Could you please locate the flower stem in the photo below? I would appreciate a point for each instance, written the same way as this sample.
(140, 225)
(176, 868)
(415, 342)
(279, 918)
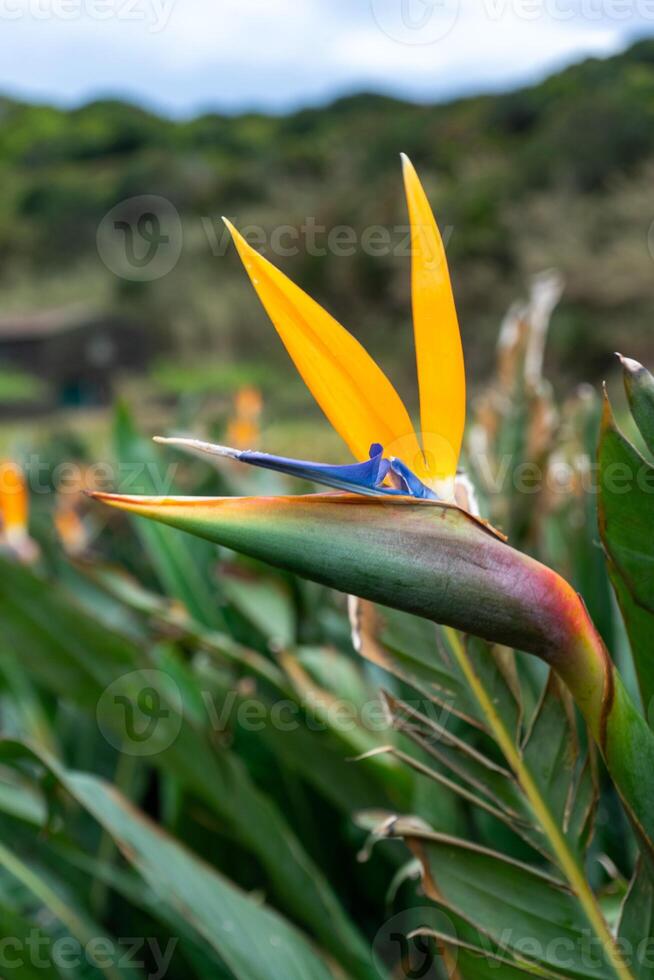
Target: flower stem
(566, 859)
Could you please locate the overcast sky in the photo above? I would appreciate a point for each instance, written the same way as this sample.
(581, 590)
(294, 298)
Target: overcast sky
(184, 56)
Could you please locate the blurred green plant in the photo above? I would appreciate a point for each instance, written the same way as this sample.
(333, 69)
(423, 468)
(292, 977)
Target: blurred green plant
(173, 378)
(507, 171)
(17, 387)
(439, 562)
(460, 717)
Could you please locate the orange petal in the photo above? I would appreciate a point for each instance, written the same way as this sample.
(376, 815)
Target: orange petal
(355, 395)
(14, 502)
(439, 355)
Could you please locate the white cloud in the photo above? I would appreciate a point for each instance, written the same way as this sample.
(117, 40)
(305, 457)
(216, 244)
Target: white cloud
(477, 51)
(275, 54)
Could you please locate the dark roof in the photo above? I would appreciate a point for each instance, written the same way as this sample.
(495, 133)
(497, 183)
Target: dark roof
(45, 323)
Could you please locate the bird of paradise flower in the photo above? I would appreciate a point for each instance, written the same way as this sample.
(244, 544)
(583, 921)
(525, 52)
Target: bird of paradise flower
(352, 390)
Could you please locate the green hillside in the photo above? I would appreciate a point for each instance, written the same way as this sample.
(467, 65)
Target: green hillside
(556, 174)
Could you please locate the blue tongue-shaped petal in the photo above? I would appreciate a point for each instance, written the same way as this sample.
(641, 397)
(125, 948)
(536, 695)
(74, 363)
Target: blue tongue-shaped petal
(409, 482)
(364, 478)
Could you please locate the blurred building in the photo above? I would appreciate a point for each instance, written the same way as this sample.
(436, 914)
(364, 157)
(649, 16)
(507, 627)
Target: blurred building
(75, 354)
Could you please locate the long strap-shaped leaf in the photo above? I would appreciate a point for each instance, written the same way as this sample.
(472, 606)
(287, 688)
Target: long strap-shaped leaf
(254, 941)
(76, 924)
(182, 566)
(54, 636)
(505, 899)
(626, 513)
(636, 929)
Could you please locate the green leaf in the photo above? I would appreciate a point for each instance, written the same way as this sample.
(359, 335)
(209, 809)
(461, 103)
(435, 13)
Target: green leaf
(183, 566)
(319, 756)
(495, 668)
(253, 940)
(25, 934)
(639, 625)
(552, 754)
(525, 912)
(639, 385)
(627, 510)
(626, 515)
(493, 788)
(470, 954)
(56, 638)
(263, 601)
(419, 653)
(480, 774)
(136, 894)
(54, 896)
(476, 963)
(636, 930)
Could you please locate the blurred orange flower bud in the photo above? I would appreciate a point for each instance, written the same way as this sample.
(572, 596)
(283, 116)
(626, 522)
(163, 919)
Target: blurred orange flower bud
(14, 513)
(243, 427)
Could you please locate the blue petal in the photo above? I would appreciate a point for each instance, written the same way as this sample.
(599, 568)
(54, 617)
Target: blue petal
(365, 478)
(410, 483)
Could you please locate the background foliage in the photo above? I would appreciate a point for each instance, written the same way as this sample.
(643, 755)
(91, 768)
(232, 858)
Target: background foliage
(554, 175)
(181, 728)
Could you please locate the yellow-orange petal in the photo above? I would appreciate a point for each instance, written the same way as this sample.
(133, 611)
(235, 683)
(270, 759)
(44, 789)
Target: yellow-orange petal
(353, 392)
(14, 503)
(439, 355)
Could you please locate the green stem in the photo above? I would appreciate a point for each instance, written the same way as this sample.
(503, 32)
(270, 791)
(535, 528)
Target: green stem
(565, 858)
